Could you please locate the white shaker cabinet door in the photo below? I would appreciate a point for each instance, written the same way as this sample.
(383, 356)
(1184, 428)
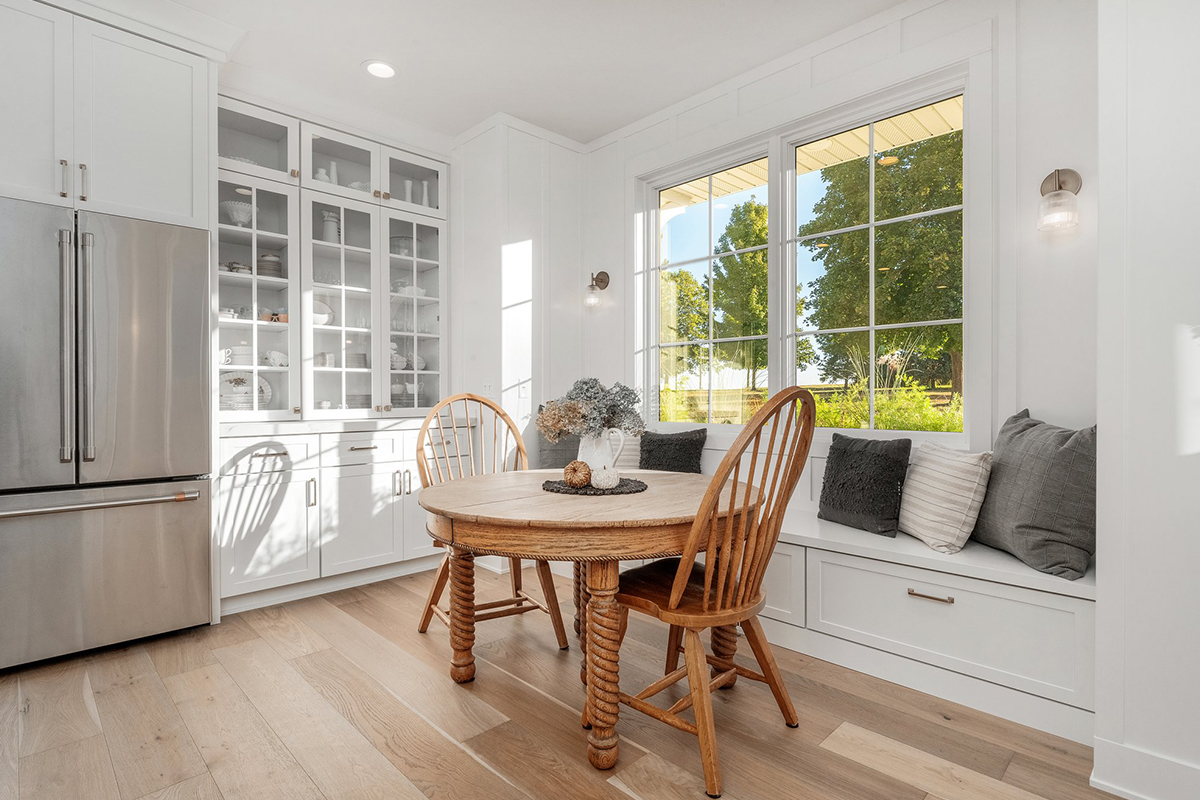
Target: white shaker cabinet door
(417, 541)
(36, 160)
(268, 529)
(358, 526)
(141, 127)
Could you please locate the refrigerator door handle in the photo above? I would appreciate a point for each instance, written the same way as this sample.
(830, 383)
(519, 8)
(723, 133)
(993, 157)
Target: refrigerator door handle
(87, 348)
(66, 425)
(178, 497)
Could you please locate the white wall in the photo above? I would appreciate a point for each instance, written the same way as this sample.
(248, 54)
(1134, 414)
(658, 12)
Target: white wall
(1148, 603)
(1042, 58)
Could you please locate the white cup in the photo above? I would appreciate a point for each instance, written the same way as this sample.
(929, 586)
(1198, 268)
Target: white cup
(227, 356)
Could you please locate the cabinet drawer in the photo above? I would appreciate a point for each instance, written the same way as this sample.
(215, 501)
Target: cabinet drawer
(1034, 641)
(352, 449)
(254, 455)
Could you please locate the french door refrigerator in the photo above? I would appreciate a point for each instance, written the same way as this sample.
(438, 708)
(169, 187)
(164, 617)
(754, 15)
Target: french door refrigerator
(104, 430)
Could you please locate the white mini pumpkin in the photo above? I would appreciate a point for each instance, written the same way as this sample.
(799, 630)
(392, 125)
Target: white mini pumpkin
(605, 477)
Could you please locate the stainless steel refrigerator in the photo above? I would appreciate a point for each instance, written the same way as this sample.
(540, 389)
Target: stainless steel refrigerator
(104, 430)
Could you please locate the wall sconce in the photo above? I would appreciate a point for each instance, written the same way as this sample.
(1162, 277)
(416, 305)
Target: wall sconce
(1057, 209)
(599, 283)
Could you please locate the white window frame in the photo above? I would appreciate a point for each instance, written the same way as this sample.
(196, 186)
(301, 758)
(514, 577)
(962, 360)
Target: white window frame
(972, 80)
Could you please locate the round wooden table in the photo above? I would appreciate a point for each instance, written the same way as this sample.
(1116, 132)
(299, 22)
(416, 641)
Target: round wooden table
(509, 514)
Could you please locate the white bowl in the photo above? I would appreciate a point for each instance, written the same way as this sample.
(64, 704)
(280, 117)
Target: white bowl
(322, 313)
(239, 213)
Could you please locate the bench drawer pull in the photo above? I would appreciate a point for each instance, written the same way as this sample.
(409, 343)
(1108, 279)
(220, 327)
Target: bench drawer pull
(947, 600)
(280, 454)
(372, 447)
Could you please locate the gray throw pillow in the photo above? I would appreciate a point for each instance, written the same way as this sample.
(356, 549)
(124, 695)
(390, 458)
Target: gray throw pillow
(1041, 499)
(863, 483)
(673, 452)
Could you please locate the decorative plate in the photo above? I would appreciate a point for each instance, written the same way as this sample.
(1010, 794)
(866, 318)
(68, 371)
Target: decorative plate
(322, 313)
(243, 160)
(626, 486)
(236, 394)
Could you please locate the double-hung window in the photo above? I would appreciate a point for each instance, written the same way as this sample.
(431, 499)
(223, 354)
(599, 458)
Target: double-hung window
(870, 259)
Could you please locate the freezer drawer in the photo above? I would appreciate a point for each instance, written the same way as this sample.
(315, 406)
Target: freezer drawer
(90, 567)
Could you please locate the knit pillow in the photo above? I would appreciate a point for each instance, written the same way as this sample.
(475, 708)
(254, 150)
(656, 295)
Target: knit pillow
(673, 452)
(942, 495)
(863, 480)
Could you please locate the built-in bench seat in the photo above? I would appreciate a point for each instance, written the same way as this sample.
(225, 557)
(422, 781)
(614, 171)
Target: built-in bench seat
(978, 627)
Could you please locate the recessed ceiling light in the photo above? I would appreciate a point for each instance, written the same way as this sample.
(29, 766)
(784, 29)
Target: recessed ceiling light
(887, 161)
(380, 69)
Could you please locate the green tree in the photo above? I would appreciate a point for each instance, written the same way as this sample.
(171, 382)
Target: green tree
(918, 263)
(683, 317)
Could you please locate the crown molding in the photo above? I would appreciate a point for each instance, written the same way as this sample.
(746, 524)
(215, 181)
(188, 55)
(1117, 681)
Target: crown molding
(163, 21)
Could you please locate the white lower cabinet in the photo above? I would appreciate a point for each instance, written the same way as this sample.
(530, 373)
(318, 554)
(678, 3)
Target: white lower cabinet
(362, 517)
(783, 585)
(269, 530)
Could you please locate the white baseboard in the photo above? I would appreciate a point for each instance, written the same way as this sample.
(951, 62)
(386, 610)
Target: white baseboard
(334, 583)
(1158, 777)
(1036, 712)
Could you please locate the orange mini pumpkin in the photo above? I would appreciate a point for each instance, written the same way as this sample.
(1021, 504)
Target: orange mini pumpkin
(577, 474)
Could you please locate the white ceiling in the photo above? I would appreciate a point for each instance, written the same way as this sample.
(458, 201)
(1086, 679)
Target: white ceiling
(581, 69)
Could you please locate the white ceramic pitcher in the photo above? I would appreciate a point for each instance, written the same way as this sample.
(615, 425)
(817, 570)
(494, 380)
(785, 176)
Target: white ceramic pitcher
(597, 451)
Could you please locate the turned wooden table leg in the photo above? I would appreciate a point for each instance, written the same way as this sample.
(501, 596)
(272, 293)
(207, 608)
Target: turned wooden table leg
(581, 612)
(604, 642)
(462, 615)
(724, 646)
(578, 587)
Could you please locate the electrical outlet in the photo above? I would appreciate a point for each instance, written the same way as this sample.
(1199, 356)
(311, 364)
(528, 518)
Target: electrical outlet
(487, 391)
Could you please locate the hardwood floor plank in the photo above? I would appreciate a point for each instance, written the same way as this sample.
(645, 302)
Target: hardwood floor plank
(229, 631)
(917, 768)
(245, 757)
(655, 778)
(148, 743)
(289, 636)
(451, 707)
(437, 766)
(56, 707)
(201, 787)
(339, 759)
(10, 736)
(523, 758)
(79, 770)
(403, 595)
(174, 653)
(1055, 751)
(343, 596)
(1036, 776)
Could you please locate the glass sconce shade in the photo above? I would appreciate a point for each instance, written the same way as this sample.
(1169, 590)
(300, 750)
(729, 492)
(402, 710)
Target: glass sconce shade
(1058, 210)
(593, 296)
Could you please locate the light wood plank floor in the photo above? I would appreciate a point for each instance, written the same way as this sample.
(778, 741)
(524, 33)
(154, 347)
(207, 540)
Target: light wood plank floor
(340, 697)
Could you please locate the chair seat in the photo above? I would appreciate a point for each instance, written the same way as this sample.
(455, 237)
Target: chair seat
(648, 589)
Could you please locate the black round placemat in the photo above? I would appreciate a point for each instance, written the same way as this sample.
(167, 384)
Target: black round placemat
(626, 486)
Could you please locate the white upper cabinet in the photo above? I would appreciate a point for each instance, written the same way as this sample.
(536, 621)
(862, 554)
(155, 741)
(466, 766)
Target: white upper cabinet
(412, 183)
(256, 141)
(338, 163)
(141, 127)
(36, 162)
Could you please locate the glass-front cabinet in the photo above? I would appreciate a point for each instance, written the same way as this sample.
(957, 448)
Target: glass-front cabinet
(258, 295)
(257, 141)
(412, 183)
(415, 288)
(342, 307)
(338, 163)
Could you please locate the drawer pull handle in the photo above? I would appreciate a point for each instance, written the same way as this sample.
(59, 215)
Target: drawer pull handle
(280, 454)
(372, 447)
(947, 600)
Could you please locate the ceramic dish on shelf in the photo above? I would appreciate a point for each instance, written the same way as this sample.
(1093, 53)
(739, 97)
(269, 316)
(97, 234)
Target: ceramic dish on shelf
(234, 267)
(322, 313)
(361, 186)
(237, 389)
(243, 160)
(414, 291)
(239, 213)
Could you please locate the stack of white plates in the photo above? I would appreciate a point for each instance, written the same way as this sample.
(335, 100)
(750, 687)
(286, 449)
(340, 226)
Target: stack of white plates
(358, 401)
(356, 361)
(325, 360)
(270, 266)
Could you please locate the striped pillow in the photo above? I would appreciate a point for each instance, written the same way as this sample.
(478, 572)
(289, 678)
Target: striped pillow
(942, 495)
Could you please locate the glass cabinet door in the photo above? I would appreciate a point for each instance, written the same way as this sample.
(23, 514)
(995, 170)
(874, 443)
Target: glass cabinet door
(413, 183)
(255, 141)
(258, 293)
(340, 164)
(415, 286)
(341, 305)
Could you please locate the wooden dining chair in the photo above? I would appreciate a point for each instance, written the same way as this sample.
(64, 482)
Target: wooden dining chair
(736, 528)
(454, 442)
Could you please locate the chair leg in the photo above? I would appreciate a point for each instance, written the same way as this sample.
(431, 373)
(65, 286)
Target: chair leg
(697, 667)
(435, 593)
(514, 575)
(674, 640)
(551, 598)
(766, 662)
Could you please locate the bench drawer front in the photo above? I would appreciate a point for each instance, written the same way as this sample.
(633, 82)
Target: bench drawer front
(253, 455)
(1034, 641)
(352, 449)
(783, 585)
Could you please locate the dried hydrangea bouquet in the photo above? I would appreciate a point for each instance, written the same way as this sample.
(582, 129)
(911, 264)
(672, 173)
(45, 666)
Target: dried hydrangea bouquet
(595, 414)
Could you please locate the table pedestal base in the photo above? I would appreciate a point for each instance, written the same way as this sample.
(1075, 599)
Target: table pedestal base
(603, 663)
(462, 615)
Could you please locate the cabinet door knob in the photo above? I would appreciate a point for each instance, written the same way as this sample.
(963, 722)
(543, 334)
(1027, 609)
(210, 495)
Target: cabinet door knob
(387, 195)
(387, 408)
(295, 173)
(295, 409)
(376, 193)
(379, 408)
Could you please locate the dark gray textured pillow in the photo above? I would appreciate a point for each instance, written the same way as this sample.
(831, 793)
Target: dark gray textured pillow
(863, 482)
(556, 455)
(673, 452)
(1041, 500)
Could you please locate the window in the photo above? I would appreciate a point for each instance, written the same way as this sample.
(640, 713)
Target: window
(878, 250)
(713, 296)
